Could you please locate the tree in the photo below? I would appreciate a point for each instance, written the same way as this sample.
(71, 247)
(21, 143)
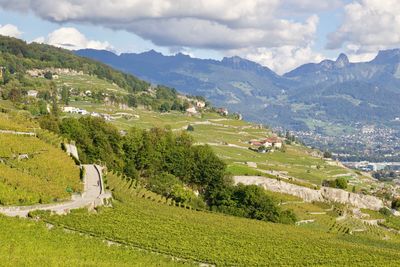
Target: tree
(132, 101)
(163, 184)
(209, 170)
(48, 75)
(65, 95)
(341, 183)
(396, 203)
(327, 155)
(50, 123)
(54, 103)
(165, 107)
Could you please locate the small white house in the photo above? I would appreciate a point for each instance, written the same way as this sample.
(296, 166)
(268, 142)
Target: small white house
(191, 110)
(32, 93)
(200, 104)
(70, 109)
(223, 111)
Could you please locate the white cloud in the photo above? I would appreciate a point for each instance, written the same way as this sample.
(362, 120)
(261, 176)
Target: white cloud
(71, 38)
(257, 29)
(307, 6)
(368, 25)
(10, 30)
(281, 59)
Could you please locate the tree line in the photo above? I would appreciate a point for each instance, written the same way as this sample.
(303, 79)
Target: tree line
(169, 164)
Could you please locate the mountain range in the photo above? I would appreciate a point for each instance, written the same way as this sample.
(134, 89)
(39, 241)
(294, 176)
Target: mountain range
(313, 96)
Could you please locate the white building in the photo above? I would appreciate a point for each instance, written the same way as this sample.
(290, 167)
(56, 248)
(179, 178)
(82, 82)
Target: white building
(32, 93)
(200, 104)
(191, 110)
(70, 109)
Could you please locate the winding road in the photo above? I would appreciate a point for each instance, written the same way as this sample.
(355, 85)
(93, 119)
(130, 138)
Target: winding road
(92, 196)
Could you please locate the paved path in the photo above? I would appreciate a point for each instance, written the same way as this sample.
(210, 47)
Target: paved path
(17, 133)
(72, 150)
(92, 196)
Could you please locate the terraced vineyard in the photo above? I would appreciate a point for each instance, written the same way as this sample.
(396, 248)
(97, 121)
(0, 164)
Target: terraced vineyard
(29, 243)
(34, 169)
(224, 240)
(229, 139)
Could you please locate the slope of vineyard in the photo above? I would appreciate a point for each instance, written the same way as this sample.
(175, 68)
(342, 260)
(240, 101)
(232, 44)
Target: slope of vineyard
(224, 240)
(32, 170)
(28, 243)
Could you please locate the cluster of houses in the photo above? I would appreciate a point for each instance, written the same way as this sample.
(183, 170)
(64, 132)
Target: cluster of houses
(75, 110)
(266, 144)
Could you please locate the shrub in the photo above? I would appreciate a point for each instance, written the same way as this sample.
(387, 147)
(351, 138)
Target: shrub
(396, 203)
(340, 183)
(385, 211)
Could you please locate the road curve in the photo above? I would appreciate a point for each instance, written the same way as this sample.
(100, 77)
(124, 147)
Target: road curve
(91, 196)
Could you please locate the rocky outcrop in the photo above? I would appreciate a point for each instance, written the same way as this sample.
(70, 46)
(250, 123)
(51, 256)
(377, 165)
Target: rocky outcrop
(309, 195)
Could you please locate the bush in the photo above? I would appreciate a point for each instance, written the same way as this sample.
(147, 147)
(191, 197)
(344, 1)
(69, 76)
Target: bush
(190, 128)
(327, 154)
(385, 211)
(249, 201)
(340, 183)
(396, 203)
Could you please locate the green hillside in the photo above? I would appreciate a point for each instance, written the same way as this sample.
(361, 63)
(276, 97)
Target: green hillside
(29, 243)
(213, 238)
(229, 139)
(33, 168)
(170, 161)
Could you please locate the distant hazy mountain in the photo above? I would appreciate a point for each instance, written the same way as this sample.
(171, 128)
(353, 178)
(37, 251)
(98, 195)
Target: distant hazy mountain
(312, 96)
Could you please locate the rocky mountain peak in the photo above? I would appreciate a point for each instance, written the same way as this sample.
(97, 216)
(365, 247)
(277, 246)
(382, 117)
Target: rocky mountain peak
(342, 61)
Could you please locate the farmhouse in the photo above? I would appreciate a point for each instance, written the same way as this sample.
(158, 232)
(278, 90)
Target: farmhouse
(223, 111)
(200, 104)
(274, 142)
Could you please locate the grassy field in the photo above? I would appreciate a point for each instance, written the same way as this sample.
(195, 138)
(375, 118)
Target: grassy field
(226, 240)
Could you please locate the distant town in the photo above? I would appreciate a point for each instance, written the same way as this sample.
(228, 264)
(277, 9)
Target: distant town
(366, 143)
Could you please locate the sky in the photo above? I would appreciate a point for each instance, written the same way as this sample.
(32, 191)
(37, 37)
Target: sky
(279, 34)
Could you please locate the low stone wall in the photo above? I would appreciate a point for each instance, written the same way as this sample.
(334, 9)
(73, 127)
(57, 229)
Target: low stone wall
(309, 195)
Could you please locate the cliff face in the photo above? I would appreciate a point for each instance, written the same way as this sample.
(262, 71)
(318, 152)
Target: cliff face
(309, 195)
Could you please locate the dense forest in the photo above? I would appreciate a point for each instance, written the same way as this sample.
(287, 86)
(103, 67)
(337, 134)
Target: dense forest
(16, 56)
